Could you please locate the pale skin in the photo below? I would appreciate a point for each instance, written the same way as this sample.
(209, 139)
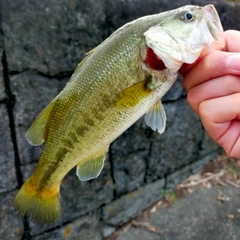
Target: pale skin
(213, 86)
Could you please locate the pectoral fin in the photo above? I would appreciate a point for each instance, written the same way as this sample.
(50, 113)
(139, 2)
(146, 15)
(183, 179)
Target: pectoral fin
(36, 134)
(92, 167)
(156, 117)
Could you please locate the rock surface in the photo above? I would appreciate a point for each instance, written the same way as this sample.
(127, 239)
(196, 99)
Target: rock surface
(8, 178)
(132, 204)
(50, 39)
(2, 86)
(86, 228)
(11, 224)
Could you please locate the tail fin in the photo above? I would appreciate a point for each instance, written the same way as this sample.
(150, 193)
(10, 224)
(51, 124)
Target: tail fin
(39, 207)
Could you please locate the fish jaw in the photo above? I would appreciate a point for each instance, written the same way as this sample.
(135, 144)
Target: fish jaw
(215, 30)
(178, 40)
(214, 25)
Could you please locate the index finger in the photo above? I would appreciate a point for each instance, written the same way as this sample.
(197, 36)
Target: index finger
(213, 64)
(232, 38)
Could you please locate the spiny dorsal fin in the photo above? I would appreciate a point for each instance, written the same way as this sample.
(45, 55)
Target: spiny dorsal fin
(36, 134)
(91, 167)
(87, 55)
(156, 117)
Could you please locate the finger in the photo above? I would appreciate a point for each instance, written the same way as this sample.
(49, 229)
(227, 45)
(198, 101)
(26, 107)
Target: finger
(217, 87)
(230, 140)
(232, 38)
(186, 67)
(221, 119)
(232, 41)
(220, 110)
(213, 65)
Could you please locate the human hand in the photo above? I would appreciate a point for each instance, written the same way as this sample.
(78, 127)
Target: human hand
(213, 86)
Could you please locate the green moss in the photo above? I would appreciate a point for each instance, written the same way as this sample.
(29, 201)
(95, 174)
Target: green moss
(234, 169)
(232, 1)
(171, 194)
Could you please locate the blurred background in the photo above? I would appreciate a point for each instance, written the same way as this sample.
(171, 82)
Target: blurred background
(41, 44)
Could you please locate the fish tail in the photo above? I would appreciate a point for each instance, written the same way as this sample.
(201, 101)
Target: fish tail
(40, 206)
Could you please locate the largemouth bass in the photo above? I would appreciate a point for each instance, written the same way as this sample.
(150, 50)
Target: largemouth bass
(119, 81)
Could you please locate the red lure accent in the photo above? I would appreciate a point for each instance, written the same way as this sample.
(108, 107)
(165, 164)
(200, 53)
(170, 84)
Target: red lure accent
(153, 61)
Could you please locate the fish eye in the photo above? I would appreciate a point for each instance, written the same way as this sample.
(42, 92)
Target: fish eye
(189, 16)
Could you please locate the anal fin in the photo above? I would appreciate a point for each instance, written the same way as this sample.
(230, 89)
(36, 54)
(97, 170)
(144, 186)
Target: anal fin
(91, 168)
(156, 117)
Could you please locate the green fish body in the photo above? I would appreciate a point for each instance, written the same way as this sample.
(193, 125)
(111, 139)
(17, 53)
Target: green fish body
(119, 81)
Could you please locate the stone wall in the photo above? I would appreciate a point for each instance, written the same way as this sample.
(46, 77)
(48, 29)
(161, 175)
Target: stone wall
(40, 46)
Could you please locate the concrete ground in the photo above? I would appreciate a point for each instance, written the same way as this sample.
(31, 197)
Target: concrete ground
(204, 207)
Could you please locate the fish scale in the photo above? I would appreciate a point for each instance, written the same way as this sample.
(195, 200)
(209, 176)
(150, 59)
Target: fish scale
(111, 88)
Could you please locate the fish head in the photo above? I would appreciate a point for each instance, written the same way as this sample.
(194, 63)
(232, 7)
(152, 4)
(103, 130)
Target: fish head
(182, 37)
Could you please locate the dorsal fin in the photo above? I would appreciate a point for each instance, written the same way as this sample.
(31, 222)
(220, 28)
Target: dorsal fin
(36, 134)
(87, 55)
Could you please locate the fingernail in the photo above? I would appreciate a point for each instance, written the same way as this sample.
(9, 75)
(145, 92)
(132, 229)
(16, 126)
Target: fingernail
(233, 62)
